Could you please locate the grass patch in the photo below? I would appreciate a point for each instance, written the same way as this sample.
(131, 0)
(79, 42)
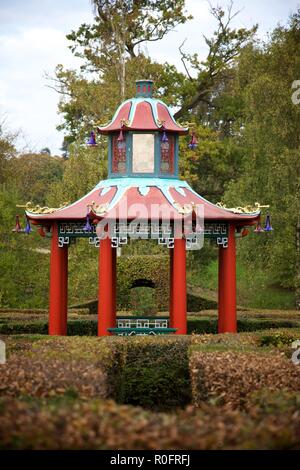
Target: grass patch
(254, 288)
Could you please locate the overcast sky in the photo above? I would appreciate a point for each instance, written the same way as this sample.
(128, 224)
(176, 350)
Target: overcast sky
(32, 43)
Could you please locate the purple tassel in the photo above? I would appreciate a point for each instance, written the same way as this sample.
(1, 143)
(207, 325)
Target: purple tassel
(28, 228)
(268, 226)
(92, 140)
(164, 137)
(87, 227)
(193, 142)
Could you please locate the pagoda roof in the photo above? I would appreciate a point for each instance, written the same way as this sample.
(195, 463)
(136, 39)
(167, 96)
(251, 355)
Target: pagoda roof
(143, 114)
(122, 195)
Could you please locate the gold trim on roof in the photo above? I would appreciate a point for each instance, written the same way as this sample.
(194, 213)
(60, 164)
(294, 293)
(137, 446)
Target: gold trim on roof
(243, 210)
(36, 209)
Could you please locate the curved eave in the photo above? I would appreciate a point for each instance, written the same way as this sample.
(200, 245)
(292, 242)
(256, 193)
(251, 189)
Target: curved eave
(168, 194)
(119, 198)
(143, 114)
(77, 210)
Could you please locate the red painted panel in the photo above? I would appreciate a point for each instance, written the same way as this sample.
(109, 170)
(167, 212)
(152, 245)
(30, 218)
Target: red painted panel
(116, 123)
(143, 117)
(169, 124)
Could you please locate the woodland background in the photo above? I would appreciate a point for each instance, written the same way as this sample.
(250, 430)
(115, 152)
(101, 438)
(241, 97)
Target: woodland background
(239, 101)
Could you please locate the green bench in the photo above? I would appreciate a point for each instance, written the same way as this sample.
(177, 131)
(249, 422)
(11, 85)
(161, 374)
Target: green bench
(141, 331)
(132, 326)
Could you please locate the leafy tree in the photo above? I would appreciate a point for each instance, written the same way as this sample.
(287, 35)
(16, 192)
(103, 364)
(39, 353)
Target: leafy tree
(82, 171)
(7, 153)
(212, 164)
(34, 174)
(206, 78)
(268, 132)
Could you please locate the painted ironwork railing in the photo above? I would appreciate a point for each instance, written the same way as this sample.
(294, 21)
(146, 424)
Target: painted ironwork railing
(141, 326)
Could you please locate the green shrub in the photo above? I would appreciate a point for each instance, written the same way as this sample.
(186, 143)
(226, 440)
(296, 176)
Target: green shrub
(195, 325)
(153, 372)
(276, 339)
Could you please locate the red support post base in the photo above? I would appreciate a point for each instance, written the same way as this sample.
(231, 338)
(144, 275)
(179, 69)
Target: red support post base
(106, 301)
(227, 320)
(58, 301)
(179, 287)
(171, 310)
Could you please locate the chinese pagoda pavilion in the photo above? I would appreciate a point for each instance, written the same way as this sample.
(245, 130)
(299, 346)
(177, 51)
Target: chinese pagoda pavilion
(143, 181)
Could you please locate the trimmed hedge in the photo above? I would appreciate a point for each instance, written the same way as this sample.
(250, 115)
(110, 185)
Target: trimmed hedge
(195, 325)
(57, 366)
(135, 371)
(95, 424)
(153, 372)
(229, 377)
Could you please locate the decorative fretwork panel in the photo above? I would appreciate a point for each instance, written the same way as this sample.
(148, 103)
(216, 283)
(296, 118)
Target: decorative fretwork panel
(121, 232)
(75, 230)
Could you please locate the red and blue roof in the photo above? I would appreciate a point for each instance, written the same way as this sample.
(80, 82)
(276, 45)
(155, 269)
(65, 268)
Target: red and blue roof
(143, 113)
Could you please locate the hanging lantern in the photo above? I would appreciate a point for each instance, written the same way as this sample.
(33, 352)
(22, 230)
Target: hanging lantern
(28, 228)
(193, 142)
(92, 140)
(164, 141)
(258, 228)
(87, 227)
(121, 142)
(268, 226)
(17, 227)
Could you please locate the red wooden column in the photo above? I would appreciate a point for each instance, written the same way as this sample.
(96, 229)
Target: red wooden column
(106, 313)
(227, 321)
(179, 286)
(65, 290)
(114, 282)
(58, 286)
(171, 309)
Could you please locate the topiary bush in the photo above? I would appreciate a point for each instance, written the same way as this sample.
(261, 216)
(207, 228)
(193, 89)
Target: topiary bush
(153, 372)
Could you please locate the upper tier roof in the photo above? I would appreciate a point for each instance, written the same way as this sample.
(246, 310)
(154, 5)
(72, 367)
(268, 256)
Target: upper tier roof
(143, 113)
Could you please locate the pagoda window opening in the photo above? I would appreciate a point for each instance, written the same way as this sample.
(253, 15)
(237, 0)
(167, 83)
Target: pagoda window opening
(143, 146)
(167, 145)
(119, 154)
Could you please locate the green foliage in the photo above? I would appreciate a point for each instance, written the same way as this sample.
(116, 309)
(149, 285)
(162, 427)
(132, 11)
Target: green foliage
(21, 282)
(195, 325)
(147, 367)
(270, 139)
(277, 339)
(211, 165)
(142, 271)
(83, 170)
(34, 174)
